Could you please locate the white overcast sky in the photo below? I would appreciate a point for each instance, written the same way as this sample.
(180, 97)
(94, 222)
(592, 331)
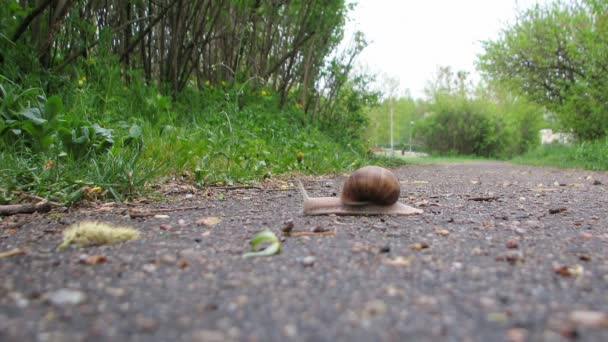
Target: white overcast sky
(410, 39)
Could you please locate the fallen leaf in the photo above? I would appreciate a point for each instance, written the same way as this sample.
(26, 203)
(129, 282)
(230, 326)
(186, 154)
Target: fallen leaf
(512, 257)
(442, 232)
(557, 210)
(261, 238)
(569, 271)
(399, 261)
(319, 229)
(209, 221)
(93, 259)
(419, 245)
(359, 247)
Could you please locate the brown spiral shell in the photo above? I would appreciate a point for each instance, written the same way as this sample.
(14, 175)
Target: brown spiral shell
(371, 184)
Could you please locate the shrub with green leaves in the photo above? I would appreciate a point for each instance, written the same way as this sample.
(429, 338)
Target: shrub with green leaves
(462, 126)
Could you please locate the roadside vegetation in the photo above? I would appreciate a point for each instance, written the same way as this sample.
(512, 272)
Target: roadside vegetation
(98, 100)
(546, 70)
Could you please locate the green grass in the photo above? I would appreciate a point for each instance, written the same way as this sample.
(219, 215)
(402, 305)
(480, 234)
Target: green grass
(586, 155)
(429, 159)
(99, 133)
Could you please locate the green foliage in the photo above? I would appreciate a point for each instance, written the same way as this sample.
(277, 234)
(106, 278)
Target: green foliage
(588, 155)
(556, 55)
(463, 126)
(486, 122)
(42, 127)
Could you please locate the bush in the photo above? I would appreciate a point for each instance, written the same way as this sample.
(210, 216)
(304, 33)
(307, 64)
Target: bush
(462, 126)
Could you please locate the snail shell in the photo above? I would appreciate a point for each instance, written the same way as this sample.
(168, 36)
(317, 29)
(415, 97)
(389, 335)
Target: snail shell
(370, 190)
(371, 184)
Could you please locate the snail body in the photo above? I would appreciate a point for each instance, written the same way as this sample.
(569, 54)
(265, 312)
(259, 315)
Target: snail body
(370, 190)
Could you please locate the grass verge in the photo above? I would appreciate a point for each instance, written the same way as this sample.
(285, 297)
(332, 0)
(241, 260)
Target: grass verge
(586, 155)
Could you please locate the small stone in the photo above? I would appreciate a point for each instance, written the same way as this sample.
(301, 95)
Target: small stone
(20, 300)
(146, 324)
(517, 335)
(190, 254)
(512, 244)
(374, 308)
(149, 268)
(308, 261)
(161, 216)
(287, 226)
(65, 297)
(208, 336)
(591, 319)
(290, 331)
(596, 182)
(385, 249)
(116, 291)
(181, 222)
(165, 226)
(168, 259)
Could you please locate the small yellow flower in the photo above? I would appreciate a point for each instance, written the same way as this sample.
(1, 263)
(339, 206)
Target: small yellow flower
(300, 156)
(81, 81)
(223, 83)
(264, 92)
(95, 190)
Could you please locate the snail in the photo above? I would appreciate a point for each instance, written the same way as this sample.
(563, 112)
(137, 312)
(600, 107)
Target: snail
(370, 190)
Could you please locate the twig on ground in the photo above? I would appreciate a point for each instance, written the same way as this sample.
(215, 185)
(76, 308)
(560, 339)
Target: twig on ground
(13, 209)
(236, 187)
(483, 199)
(145, 213)
(12, 252)
(329, 233)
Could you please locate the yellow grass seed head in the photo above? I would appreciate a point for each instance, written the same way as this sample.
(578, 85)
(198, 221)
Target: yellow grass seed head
(92, 233)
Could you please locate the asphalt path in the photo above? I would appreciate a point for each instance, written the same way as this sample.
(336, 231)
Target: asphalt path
(501, 253)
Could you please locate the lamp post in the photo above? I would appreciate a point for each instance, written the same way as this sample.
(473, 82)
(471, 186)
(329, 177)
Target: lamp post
(392, 146)
(411, 126)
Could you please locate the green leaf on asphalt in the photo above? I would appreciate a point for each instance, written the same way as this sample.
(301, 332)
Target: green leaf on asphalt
(264, 237)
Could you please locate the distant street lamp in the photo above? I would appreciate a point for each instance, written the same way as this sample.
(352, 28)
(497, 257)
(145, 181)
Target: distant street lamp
(392, 111)
(411, 127)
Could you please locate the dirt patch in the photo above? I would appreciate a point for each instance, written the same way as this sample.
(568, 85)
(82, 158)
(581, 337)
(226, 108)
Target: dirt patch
(502, 252)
